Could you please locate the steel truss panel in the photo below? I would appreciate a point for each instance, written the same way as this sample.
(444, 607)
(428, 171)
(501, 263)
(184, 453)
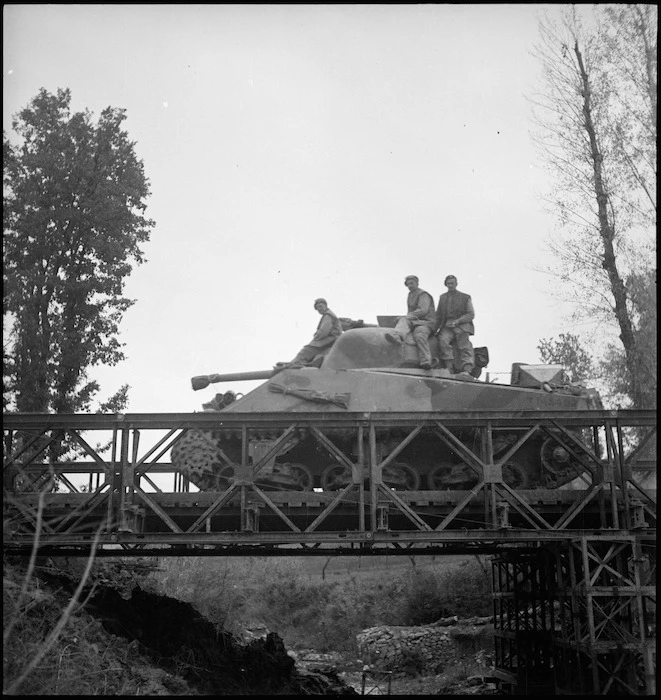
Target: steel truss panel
(575, 570)
(607, 616)
(126, 501)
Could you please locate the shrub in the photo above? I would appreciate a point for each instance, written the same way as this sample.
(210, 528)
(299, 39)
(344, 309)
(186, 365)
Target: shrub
(310, 612)
(413, 662)
(428, 595)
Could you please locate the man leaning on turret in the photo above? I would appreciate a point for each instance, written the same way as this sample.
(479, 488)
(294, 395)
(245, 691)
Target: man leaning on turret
(420, 320)
(328, 331)
(454, 322)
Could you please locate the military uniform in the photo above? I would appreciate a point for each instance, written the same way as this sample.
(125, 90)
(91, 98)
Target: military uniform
(328, 331)
(420, 320)
(456, 308)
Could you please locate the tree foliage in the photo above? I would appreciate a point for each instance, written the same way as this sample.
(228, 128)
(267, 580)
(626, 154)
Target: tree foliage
(568, 352)
(614, 366)
(596, 131)
(74, 223)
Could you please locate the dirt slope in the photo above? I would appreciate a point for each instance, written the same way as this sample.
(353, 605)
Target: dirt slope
(136, 642)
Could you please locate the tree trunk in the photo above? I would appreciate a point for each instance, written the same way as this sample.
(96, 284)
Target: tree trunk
(607, 233)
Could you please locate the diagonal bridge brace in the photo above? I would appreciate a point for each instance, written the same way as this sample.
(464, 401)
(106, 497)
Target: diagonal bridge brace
(404, 507)
(482, 470)
(228, 495)
(614, 550)
(240, 485)
(141, 470)
(578, 506)
(85, 508)
(378, 487)
(98, 496)
(356, 473)
(157, 509)
(13, 457)
(29, 513)
(274, 449)
(573, 440)
(331, 506)
(11, 460)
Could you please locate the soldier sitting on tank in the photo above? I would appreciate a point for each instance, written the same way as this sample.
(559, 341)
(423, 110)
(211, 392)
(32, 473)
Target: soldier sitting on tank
(328, 331)
(454, 324)
(420, 320)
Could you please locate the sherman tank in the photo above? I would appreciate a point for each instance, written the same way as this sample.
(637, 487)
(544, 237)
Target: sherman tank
(362, 372)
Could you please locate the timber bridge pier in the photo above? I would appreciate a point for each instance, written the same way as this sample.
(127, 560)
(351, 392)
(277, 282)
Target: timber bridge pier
(573, 568)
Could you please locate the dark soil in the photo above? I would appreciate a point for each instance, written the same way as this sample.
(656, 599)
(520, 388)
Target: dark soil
(176, 637)
(180, 642)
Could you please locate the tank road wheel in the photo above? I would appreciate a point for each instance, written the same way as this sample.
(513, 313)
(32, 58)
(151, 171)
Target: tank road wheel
(335, 477)
(554, 457)
(451, 476)
(558, 464)
(196, 456)
(301, 477)
(515, 476)
(400, 476)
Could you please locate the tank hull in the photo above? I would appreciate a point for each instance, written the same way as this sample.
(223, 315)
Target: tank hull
(397, 390)
(425, 463)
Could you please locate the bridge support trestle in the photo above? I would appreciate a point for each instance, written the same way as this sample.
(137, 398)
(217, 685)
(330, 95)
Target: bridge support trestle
(577, 617)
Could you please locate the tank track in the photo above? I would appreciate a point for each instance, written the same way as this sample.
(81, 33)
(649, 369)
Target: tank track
(208, 460)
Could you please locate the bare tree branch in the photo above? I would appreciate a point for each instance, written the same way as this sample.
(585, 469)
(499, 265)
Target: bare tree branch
(596, 131)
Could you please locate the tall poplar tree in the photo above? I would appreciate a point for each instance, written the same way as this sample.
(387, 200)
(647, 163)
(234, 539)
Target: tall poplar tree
(596, 132)
(73, 224)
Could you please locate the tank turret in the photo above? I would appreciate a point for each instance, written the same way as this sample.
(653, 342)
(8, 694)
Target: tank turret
(362, 372)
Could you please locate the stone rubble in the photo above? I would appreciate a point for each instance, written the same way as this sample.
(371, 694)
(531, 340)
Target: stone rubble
(423, 650)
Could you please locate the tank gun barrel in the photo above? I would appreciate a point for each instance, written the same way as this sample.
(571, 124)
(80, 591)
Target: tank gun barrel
(203, 381)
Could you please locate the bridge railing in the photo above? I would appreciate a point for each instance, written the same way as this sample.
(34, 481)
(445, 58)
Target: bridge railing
(67, 476)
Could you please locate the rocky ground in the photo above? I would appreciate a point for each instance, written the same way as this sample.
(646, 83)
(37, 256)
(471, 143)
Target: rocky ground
(366, 680)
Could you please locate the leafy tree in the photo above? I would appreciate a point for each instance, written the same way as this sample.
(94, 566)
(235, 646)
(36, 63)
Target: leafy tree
(73, 224)
(596, 131)
(568, 352)
(614, 366)
(628, 47)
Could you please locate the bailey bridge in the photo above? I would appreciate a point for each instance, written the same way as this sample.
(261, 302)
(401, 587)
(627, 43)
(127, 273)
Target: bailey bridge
(573, 568)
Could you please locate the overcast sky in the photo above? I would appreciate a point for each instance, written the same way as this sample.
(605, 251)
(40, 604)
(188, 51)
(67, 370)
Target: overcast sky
(298, 151)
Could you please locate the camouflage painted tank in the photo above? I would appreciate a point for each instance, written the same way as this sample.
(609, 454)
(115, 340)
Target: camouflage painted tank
(364, 373)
